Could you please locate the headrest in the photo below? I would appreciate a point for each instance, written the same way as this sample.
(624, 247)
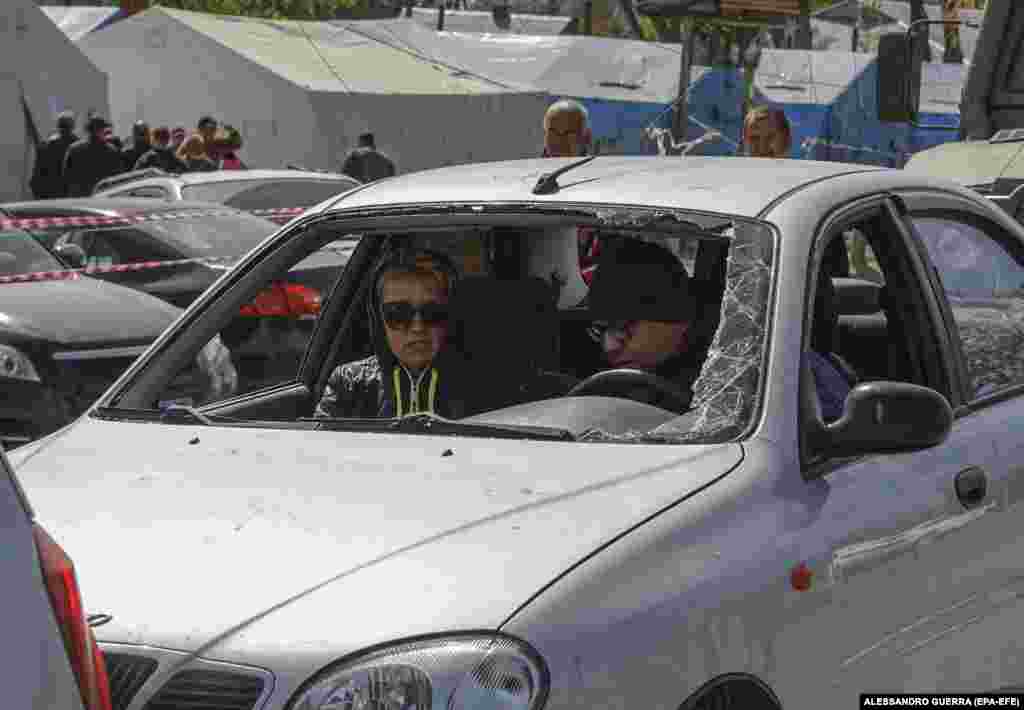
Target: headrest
(506, 321)
(856, 297)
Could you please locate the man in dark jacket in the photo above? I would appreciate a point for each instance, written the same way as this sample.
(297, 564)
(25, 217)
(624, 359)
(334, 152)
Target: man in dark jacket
(161, 155)
(414, 370)
(140, 145)
(366, 163)
(48, 175)
(643, 312)
(90, 160)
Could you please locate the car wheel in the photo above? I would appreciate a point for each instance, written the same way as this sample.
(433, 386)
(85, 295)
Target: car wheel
(733, 692)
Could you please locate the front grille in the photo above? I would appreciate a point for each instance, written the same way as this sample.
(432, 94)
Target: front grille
(127, 674)
(208, 690)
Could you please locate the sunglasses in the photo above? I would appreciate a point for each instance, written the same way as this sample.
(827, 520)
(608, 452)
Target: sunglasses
(619, 330)
(399, 315)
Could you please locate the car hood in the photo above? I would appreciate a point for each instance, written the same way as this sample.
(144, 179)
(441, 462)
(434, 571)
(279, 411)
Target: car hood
(194, 537)
(83, 311)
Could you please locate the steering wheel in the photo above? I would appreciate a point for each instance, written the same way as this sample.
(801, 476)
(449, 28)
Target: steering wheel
(636, 385)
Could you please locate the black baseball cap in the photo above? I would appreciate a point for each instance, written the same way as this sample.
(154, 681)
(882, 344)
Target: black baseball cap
(206, 121)
(637, 280)
(96, 123)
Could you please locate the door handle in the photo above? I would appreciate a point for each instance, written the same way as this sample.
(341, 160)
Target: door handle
(971, 486)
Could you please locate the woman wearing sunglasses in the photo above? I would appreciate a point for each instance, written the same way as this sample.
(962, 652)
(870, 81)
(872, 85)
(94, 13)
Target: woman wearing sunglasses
(414, 370)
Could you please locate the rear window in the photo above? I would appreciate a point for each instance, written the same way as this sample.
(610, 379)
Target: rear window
(212, 235)
(21, 254)
(267, 194)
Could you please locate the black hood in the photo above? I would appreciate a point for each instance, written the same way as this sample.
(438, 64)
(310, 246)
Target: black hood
(83, 311)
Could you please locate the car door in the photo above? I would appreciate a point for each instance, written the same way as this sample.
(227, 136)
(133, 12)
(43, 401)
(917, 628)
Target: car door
(978, 260)
(885, 547)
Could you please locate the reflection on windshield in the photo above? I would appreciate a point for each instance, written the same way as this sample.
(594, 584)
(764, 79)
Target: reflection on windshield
(21, 254)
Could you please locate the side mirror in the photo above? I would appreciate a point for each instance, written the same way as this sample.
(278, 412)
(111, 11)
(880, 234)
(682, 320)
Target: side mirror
(72, 255)
(887, 416)
(899, 80)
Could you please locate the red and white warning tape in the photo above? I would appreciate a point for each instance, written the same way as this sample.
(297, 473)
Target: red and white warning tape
(113, 269)
(280, 215)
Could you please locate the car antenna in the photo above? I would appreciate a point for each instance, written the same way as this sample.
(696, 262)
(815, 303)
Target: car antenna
(548, 182)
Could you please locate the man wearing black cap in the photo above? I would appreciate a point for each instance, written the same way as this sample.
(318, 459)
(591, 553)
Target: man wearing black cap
(90, 160)
(643, 312)
(47, 176)
(366, 163)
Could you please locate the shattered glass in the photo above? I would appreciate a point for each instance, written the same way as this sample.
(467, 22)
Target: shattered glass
(992, 340)
(726, 392)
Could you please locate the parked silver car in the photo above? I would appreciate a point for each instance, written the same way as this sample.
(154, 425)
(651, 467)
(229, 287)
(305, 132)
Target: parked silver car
(569, 544)
(241, 189)
(51, 660)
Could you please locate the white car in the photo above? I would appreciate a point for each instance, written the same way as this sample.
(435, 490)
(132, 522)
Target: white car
(579, 537)
(51, 660)
(241, 189)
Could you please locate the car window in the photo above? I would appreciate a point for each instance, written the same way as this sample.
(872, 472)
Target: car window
(984, 283)
(211, 235)
(149, 192)
(113, 246)
(267, 194)
(21, 254)
(511, 326)
(263, 343)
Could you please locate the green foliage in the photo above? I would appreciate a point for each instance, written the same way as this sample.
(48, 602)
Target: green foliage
(268, 9)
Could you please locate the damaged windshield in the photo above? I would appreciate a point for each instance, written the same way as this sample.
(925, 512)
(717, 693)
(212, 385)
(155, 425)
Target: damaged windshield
(623, 326)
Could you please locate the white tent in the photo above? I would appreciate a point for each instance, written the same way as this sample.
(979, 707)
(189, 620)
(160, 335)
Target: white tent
(76, 21)
(563, 65)
(302, 92)
(41, 74)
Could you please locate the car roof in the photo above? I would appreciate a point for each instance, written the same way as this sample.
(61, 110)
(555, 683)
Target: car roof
(740, 186)
(239, 175)
(106, 206)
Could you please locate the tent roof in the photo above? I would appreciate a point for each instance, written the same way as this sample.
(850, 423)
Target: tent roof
(566, 65)
(329, 57)
(821, 77)
(473, 21)
(78, 21)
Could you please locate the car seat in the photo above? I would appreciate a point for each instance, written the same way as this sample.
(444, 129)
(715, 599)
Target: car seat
(508, 331)
(825, 330)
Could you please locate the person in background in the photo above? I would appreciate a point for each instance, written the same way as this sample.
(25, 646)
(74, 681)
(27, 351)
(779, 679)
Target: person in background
(193, 154)
(229, 142)
(567, 132)
(92, 159)
(48, 173)
(766, 133)
(161, 154)
(207, 127)
(178, 137)
(140, 145)
(366, 163)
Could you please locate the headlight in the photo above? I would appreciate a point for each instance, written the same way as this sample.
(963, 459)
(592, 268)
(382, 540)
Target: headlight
(215, 361)
(15, 364)
(461, 672)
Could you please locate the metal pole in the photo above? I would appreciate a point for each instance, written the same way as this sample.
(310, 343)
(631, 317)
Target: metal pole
(588, 17)
(440, 17)
(680, 119)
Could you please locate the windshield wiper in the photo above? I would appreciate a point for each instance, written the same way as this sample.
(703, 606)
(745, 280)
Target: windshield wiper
(432, 424)
(177, 414)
